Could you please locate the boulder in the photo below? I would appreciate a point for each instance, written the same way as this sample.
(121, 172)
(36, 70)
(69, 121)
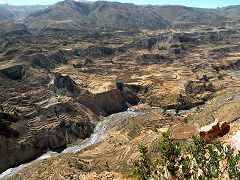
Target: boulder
(15, 72)
(65, 83)
(105, 103)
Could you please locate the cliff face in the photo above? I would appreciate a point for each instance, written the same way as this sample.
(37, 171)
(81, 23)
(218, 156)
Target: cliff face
(34, 118)
(105, 103)
(53, 127)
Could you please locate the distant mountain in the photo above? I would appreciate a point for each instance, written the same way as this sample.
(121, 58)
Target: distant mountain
(9, 12)
(72, 15)
(13, 28)
(97, 14)
(4, 14)
(188, 15)
(232, 12)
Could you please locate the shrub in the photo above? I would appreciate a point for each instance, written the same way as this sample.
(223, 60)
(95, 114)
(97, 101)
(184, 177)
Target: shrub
(195, 160)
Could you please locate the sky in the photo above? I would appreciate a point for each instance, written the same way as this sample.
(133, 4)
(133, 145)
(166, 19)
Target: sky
(190, 3)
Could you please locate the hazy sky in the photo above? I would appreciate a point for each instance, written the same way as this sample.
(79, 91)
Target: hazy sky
(192, 3)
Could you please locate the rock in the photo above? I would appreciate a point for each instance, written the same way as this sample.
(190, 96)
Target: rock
(130, 97)
(6, 120)
(153, 56)
(96, 51)
(186, 38)
(14, 72)
(105, 103)
(196, 87)
(171, 112)
(78, 65)
(128, 92)
(88, 61)
(53, 127)
(120, 85)
(176, 50)
(236, 140)
(47, 61)
(65, 82)
(148, 43)
(214, 130)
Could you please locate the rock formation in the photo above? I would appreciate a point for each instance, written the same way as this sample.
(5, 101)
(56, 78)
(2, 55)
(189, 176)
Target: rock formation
(105, 103)
(53, 127)
(15, 72)
(64, 83)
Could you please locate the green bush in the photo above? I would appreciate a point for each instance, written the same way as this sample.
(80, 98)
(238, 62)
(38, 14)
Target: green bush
(195, 160)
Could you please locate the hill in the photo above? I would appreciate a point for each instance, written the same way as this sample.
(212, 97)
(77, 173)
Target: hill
(9, 12)
(76, 15)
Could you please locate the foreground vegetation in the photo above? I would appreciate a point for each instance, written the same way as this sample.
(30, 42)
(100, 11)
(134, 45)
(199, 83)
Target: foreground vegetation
(194, 160)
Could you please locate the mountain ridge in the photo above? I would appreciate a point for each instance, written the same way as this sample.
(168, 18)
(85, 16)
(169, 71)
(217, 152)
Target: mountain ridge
(79, 15)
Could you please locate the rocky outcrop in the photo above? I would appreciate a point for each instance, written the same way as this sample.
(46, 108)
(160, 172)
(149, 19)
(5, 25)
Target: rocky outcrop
(78, 65)
(214, 130)
(44, 60)
(88, 62)
(64, 83)
(184, 38)
(152, 59)
(53, 128)
(96, 51)
(148, 43)
(153, 56)
(6, 120)
(105, 103)
(49, 60)
(14, 72)
(129, 92)
(196, 87)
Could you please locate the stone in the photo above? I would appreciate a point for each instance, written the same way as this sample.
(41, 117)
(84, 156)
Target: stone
(14, 72)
